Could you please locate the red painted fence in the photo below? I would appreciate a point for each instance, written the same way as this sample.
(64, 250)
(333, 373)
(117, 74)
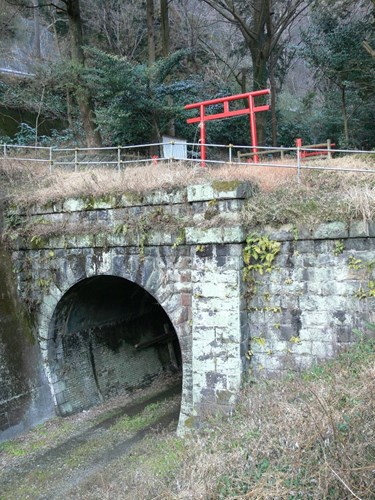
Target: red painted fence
(324, 149)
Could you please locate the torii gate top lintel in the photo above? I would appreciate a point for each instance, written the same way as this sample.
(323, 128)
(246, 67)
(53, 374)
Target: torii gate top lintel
(228, 113)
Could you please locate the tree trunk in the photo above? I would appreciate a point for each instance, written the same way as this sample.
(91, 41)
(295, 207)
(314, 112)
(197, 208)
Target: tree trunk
(243, 81)
(84, 99)
(38, 115)
(273, 101)
(155, 133)
(164, 27)
(260, 48)
(345, 114)
(37, 51)
(150, 32)
(67, 93)
(260, 83)
(260, 42)
(69, 111)
(165, 46)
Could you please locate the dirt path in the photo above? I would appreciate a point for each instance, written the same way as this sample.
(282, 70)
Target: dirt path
(55, 459)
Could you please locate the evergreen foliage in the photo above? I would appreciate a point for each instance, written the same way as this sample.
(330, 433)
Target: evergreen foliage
(345, 73)
(133, 101)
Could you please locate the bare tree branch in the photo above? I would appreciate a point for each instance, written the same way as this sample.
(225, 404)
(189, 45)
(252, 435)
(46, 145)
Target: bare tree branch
(368, 47)
(49, 4)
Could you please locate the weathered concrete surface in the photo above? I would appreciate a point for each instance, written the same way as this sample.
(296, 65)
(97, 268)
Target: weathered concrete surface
(25, 398)
(182, 254)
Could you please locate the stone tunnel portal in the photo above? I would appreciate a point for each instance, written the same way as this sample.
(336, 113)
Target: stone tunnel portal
(108, 335)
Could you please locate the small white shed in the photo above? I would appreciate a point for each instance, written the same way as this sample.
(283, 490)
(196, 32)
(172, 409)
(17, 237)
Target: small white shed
(174, 148)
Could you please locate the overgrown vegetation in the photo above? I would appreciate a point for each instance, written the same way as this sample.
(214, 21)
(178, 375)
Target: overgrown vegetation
(279, 196)
(320, 196)
(301, 436)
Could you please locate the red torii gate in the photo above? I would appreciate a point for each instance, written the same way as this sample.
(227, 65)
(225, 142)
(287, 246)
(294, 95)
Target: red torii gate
(227, 113)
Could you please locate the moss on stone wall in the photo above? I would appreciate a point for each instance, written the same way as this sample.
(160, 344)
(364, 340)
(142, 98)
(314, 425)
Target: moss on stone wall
(225, 185)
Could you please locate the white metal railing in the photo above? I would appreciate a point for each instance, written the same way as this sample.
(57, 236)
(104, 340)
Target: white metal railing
(120, 156)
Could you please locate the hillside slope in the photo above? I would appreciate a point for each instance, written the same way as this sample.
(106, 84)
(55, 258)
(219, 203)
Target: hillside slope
(304, 436)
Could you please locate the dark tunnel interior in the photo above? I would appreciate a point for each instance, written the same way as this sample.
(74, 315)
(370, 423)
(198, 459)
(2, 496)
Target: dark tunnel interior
(108, 336)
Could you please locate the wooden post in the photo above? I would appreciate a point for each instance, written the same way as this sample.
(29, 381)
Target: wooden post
(172, 354)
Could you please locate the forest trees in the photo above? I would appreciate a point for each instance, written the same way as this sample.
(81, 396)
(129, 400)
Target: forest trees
(122, 70)
(70, 9)
(344, 70)
(82, 93)
(262, 24)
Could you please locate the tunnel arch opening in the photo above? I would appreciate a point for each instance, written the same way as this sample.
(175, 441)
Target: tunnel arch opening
(108, 336)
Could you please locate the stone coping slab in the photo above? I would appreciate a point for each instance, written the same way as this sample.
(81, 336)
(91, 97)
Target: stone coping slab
(219, 190)
(202, 235)
(324, 231)
(107, 202)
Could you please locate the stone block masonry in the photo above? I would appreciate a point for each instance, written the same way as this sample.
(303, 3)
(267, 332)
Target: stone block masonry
(320, 293)
(217, 304)
(25, 398)
(176, 247)
(104, 276)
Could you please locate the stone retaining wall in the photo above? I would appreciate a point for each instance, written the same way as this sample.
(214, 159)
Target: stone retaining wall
(186, 250)
(319, 296)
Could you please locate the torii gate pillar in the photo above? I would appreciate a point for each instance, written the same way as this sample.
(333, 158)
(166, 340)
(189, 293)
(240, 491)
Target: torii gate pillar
(227, 113)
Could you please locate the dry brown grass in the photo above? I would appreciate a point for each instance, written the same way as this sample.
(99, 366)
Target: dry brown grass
(310, 436)
(31, 182)
(282, 197)
(317, 196)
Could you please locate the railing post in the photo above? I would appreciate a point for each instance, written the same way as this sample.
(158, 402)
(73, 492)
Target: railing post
(5, 150)
(329, 153)
(202, 135)
(230, 146)
(282, 154)
(298, 144)
(119, 159)
(75, 159)
(50, 159)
